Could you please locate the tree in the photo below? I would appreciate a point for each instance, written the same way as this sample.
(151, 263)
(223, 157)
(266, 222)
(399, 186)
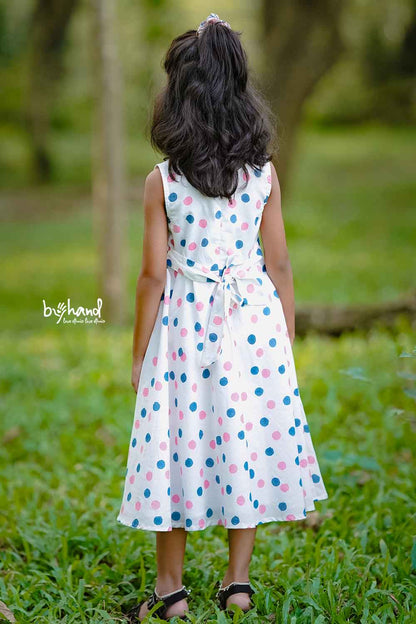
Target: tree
(48, 31)
(301, 41)
(108, 169)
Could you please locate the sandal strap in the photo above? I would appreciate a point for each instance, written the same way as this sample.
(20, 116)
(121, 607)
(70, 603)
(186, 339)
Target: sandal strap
(233, 588)
(167, 599)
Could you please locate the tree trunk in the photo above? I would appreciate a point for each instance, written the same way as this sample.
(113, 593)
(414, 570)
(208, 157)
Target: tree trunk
(301, 41)
(108, 171)
(50, 22)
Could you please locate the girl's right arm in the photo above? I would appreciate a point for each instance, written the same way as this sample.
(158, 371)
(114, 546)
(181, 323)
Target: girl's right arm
(276, 254)
(152, 277)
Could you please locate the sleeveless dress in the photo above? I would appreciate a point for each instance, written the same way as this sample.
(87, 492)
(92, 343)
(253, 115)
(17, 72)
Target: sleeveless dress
(219, 434)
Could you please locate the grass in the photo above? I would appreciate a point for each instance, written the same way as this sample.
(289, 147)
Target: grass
(67, 409)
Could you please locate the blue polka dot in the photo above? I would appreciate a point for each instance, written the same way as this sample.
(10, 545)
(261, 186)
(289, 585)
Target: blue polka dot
(183, 242)
(172, 197)
(269, 451)
(209, 512)
(233, 218)
(134, 442)
(292, 431)
(193, 406)
(148, 437)
(228, 489)
(282, 506)
(286, 400)
(206, 373)
(190, 218)
(254, 370)
(190, 297)
(138, 468)
(165, 320)
(175, 457)
(272, 342)
(209, 462)
(235, 520)
(156, 406)
(188, 522)
(158, 519)
(197, 326)
(224, 381)
(183, 377)
(245, 197)
(213, 337)
(199, 491)
(230, 412)
(188, 462)
(266, 310)
(128, 496)
(241, 435)
(218, 214)
(204, 242)
(316, 478)
(239, 243)
(306, 428)
(275, 481)
(258, 391)
(296, 391)
(160, 463)
(147, 493)
(264, 421)
(135, 523)
(143, 412)
(175, 515)
(281, 369)
(251, 338)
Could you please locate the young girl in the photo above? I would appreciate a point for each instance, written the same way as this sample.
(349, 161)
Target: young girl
(219, 435)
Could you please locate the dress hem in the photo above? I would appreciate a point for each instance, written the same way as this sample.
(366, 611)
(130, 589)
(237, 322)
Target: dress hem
(177, 525)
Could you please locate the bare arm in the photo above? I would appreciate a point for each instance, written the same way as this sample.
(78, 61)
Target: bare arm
(152, 278)
(276, 254)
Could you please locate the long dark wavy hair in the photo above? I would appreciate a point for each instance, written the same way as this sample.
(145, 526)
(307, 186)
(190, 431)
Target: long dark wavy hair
(209, 119)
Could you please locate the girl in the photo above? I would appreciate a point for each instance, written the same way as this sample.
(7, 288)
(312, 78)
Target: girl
(219, 435)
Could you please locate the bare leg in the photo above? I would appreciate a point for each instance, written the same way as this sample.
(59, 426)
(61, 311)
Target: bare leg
(240, 545)
(170, 552)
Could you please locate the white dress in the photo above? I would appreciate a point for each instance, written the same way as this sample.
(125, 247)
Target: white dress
(219, 434)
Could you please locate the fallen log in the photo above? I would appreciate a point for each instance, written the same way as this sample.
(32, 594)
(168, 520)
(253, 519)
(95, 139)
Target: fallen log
(334, 320)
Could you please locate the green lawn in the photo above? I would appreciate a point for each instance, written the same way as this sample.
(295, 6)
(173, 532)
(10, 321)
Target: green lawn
(67, 409)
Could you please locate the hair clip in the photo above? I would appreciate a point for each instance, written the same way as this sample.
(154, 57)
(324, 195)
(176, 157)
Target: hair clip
(212, 17)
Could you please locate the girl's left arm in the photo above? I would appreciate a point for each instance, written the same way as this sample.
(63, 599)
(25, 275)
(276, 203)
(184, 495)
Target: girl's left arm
(152, 277)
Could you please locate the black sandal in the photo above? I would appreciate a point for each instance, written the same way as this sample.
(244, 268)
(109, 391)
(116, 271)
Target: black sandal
(233, 588)
(167, 600)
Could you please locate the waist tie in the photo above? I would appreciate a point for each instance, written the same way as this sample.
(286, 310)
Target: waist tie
(228, 288)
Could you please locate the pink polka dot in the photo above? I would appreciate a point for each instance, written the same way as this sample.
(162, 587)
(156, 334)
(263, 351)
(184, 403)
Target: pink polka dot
(163, 446)
(212, 444)
(202, 415)
(311, 459)
(188, 200)
(228, 365)
(284, 487)
(281, 465)
(260, 483)
(278, 327)
(253, 456)
(137, 423)
(199, 305)
(181, 415)
(271, 404)
(259, 352)
(244, 226)
(131, 479)
(192, 246)
(303, 463)
(262, 509)
(232, 203)
(175, 498)
(244, 396)
(249, 426)
(155, 504)
(240, 500)
(154, 361)
(233, 468)
(276, 435)
(203, 223)
(258, 204)
(234, 396)
(226, 437)
(179, 302)
(183, 357)
(265, 372)
(138, 506)
(194, 387)
(176, 228)
(189, 504)
(192, 444)
(158, 385)
(145, 392)
(149, 475)
(290, 517)
(201, 523)
(206, 483)
(170, 179)
(217, 320)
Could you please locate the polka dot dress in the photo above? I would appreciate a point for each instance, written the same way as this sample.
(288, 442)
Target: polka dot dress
(219, 433)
